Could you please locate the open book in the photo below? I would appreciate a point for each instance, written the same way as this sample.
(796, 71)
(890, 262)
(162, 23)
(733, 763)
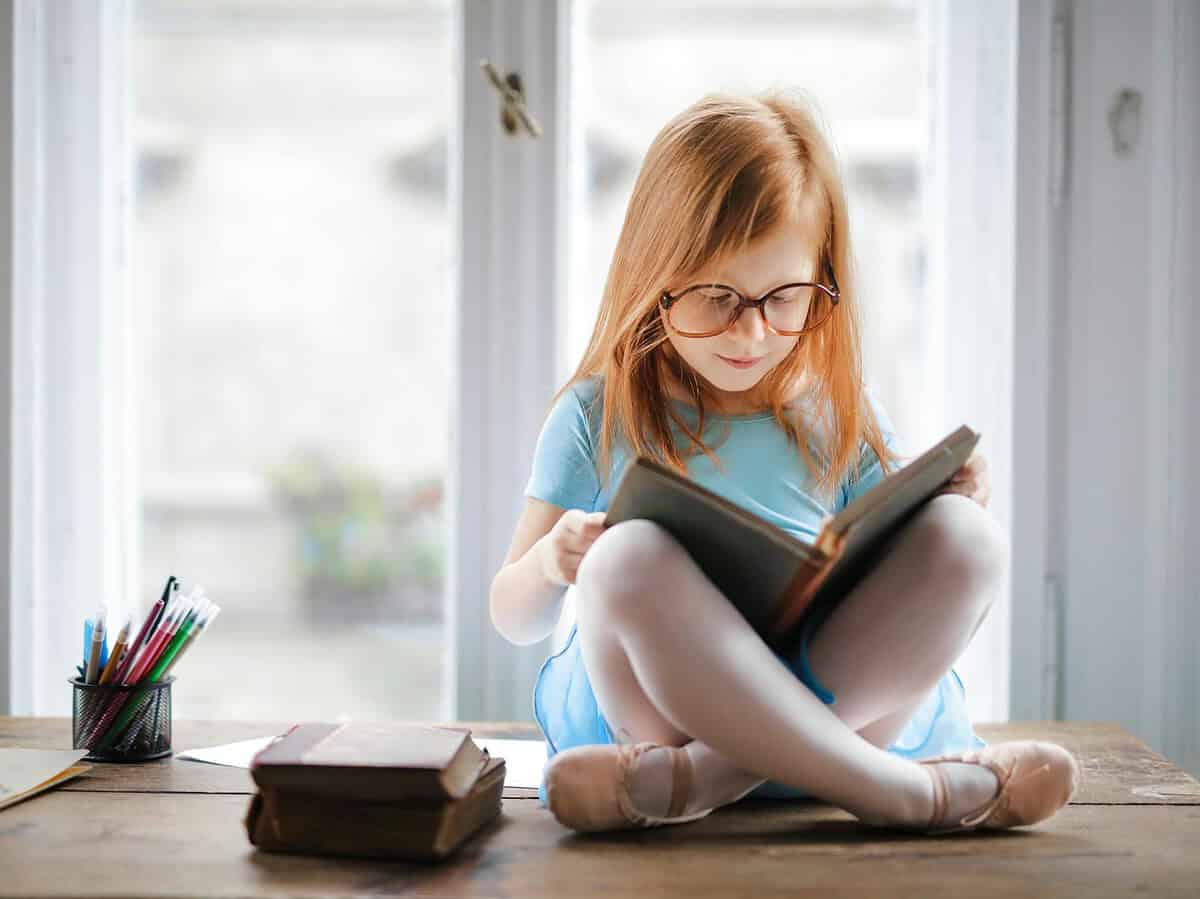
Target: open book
(774, 579)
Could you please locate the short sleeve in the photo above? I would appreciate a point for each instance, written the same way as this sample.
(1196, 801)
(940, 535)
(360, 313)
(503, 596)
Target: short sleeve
(870, 471)
(564, 466)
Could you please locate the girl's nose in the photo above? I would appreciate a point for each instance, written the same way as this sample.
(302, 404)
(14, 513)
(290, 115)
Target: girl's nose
(750, 325)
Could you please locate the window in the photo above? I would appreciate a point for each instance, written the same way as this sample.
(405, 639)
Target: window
(306, 177)
(863, 63)
(291, 244)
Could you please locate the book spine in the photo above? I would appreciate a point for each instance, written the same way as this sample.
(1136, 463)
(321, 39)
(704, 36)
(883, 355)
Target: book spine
(829, 542)
(796, 597)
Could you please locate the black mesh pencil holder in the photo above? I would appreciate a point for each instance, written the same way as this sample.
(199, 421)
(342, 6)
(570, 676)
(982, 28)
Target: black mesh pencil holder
(122, 724)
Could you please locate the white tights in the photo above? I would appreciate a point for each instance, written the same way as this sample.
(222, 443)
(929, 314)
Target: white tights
(672, 662)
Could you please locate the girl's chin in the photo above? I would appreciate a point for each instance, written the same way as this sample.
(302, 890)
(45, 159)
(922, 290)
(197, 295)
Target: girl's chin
(734, 381)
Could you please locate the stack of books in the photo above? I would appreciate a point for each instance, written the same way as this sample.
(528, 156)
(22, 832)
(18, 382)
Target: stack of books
(374, 790)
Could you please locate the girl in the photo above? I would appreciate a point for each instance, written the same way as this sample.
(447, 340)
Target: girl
(727, 346)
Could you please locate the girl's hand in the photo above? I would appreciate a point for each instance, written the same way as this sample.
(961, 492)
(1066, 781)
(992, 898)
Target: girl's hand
(563, 547)
(972, 480)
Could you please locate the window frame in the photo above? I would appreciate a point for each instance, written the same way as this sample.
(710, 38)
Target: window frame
(505, 355)
(971, 185)
(71, 180)
(68, 448)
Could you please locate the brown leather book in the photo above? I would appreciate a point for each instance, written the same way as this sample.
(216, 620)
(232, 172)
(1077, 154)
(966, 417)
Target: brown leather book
(773, 578)
(415, 830)
(371, 761)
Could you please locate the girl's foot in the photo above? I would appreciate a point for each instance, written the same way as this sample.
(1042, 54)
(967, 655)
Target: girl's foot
(1035, 780)
(592, 788)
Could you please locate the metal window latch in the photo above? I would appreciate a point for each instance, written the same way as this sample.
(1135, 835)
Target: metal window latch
(1124, 120)
(513, 114)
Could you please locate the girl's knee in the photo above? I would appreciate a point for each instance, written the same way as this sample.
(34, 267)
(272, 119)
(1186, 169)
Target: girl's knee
(966, 541)
(624, 561)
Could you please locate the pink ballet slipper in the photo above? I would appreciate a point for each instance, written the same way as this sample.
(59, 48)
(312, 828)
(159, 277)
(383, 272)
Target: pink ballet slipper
(1036, 780)
(587, 787)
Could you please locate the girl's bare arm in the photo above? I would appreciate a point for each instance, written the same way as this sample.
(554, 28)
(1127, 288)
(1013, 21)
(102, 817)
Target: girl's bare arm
(526, 593)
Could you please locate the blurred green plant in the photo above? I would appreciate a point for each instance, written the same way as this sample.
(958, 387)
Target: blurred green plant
(358, 537)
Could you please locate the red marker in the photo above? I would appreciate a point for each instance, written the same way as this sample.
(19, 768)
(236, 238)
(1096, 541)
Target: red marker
(155, 646)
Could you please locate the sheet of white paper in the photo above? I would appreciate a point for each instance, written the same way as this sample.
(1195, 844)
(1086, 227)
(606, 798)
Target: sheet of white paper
(523, 759)
(235, 755)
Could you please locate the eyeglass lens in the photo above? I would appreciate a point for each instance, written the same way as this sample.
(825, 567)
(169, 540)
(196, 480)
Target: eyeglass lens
(705, 309)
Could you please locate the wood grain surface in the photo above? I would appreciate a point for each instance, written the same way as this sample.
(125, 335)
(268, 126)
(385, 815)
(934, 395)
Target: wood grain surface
(174, 828)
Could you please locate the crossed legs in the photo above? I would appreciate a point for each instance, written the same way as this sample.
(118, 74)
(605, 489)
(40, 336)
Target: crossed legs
(672, 662)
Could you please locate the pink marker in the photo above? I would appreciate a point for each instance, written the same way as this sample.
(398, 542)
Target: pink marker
(157, 643)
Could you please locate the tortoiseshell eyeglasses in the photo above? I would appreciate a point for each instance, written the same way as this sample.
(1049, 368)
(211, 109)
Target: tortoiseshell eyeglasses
(706, 310)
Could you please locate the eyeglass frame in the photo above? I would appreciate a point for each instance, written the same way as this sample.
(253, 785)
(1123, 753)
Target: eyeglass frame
(666, 300)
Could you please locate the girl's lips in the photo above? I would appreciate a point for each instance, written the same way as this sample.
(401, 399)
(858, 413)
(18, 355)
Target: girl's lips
(740, 363)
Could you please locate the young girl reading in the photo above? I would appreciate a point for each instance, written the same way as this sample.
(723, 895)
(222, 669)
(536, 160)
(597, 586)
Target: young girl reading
(727, 346)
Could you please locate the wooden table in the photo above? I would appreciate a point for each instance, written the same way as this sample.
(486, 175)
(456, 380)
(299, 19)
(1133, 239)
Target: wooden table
(174, 828)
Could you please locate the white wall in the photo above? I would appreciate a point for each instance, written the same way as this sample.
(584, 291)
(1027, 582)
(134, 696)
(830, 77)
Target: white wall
(1103, 481)
(6, 355)
(1127, 364)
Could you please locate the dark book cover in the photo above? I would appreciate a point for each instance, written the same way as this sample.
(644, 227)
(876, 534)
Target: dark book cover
(773, 578)
(372, 761)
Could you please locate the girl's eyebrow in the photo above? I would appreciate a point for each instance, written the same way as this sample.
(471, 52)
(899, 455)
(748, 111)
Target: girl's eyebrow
(718, 282)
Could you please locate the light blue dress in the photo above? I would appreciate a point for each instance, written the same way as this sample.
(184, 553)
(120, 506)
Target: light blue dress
(763, 473)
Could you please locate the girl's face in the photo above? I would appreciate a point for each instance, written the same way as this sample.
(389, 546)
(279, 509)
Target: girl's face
(787, 254)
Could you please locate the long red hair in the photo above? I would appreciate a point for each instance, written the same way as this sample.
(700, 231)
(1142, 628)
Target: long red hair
(719, 175)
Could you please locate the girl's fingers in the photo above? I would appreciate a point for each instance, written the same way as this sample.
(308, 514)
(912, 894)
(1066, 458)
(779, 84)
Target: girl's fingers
(567, 563)
(971, 480)
(592, 525)
(572, 519)
(972, 489)
(975, 466)
(579, 545)
(584, 523)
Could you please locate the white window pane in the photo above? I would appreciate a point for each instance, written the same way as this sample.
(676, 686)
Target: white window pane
(291, 252)
(864, 65)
